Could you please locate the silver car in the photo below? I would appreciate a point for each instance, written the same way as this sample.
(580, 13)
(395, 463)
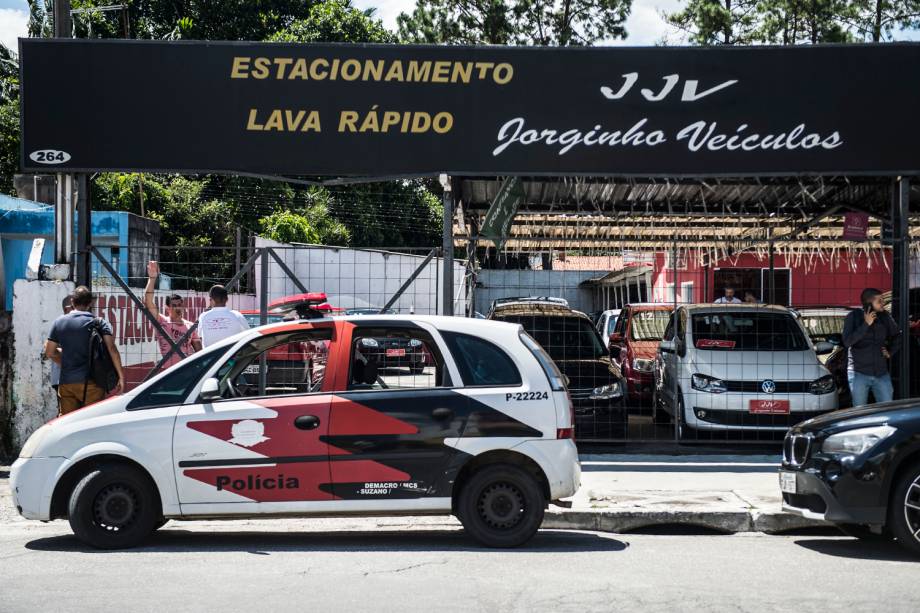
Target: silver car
(740, 367)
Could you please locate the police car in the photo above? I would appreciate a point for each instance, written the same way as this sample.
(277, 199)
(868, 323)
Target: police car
(483, 432)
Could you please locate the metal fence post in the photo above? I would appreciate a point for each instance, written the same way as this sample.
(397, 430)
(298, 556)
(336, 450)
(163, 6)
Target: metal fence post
(678, 414)
(901, 284)
(263, 316)
(448, 246)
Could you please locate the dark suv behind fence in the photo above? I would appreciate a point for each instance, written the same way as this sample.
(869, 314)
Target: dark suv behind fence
(595, 382)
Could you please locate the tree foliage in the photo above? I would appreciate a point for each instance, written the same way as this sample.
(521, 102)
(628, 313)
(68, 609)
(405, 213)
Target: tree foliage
(9, 118)
(518, 22)
(335, 21)
(793, 22)
(313, 225)
(393, 214)
(171, 19)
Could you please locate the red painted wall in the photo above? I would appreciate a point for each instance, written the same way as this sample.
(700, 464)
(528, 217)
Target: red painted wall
(815, 281)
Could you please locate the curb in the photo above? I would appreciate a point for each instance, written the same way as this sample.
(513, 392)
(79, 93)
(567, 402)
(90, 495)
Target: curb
(728, 522)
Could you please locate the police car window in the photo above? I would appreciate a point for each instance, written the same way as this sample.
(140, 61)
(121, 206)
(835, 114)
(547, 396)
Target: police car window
(481, 362)
(395, 358)
(174, 386)
(294, 363)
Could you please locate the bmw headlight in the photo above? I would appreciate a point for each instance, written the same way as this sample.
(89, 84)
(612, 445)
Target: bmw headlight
(414, 342)
(824, 385)
(606, 392)
(856, 442)
(31, 446)
(705, 383)
(369, 342)
(643, 365)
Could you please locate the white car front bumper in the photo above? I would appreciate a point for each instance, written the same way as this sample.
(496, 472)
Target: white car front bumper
(732, 410)
(32, 484)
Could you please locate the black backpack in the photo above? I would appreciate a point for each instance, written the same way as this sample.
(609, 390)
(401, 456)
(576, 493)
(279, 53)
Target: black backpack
(101, 368)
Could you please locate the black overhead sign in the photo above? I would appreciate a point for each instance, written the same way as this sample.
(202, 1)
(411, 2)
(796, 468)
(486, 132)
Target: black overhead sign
(411, 110)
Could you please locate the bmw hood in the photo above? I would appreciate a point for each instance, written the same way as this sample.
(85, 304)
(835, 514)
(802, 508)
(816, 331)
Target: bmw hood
(893, 412)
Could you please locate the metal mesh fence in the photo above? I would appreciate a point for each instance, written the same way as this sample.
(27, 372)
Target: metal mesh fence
(706, 346)
(682, 344)
(156, 330)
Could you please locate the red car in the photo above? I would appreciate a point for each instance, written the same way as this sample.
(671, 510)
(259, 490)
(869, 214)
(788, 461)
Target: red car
(638, 331)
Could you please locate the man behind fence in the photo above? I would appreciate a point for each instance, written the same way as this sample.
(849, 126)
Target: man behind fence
(175, 325)
(729, 297)
(220, 321)
(69, 344)
(870, 335)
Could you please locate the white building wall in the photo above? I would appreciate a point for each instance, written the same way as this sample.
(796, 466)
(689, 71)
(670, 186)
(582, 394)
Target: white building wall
(495, 284)
(36, 304)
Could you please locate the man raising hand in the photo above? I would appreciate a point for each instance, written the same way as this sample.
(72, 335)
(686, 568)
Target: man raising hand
(174, 322)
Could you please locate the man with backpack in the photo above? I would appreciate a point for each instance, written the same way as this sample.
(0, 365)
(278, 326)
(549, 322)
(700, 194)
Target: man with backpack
(84, 348)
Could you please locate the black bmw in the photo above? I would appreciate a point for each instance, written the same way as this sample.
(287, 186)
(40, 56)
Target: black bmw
(859, 469)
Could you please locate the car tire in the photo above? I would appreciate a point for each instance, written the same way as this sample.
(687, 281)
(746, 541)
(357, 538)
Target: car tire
(684, 432)
(904, 509)
(864, 533)
(114, 506)
(659, 415)
(501, 506)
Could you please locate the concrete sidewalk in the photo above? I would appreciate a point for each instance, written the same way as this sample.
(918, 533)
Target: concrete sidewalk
(729, 493)
(621, 493)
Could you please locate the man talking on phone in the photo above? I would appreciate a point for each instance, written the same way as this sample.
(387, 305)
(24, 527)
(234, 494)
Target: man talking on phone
(870, 334)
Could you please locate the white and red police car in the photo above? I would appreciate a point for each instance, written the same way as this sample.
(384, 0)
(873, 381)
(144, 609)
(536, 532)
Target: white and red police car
(483, 432)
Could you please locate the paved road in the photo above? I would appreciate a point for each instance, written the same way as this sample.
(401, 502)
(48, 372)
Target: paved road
(399, 565)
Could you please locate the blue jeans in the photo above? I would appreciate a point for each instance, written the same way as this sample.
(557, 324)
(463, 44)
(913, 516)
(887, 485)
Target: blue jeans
(860, 384)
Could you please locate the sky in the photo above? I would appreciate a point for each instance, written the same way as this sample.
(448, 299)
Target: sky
(645, 26)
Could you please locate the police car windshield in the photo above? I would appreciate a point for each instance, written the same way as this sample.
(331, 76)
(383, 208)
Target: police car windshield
(563, 338)
(747, 332)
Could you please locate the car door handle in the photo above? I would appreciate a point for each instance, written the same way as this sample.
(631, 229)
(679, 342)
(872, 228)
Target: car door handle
(307, 422)
(442, 413)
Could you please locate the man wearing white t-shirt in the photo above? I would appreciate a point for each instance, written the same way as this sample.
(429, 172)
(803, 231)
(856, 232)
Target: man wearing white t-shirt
(729, 297)
(219, 322)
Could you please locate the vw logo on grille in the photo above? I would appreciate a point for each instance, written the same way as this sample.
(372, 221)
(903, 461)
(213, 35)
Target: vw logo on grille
(768, 386)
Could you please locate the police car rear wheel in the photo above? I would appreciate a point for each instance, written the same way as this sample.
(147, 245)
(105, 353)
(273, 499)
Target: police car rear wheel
(501, 506)
(904, 509)
(113, 507)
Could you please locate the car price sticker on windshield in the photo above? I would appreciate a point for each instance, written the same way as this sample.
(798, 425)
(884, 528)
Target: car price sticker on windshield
(714, 343)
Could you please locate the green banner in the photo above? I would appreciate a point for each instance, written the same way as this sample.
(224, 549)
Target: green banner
(497, 223)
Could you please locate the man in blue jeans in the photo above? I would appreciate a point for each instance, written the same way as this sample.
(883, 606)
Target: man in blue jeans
(870, 334)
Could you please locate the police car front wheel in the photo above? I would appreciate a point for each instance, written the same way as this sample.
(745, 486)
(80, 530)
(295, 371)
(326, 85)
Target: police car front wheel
(501, 506)
(113, 506)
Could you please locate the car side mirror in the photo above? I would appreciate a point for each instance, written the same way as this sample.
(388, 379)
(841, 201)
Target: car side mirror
(823, 347)
(615, 351)
(210, 389)
(616, 337)
(667, 346)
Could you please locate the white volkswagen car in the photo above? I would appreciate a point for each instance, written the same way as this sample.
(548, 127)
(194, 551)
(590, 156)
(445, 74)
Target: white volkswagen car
(484, 432)
(740, 367)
